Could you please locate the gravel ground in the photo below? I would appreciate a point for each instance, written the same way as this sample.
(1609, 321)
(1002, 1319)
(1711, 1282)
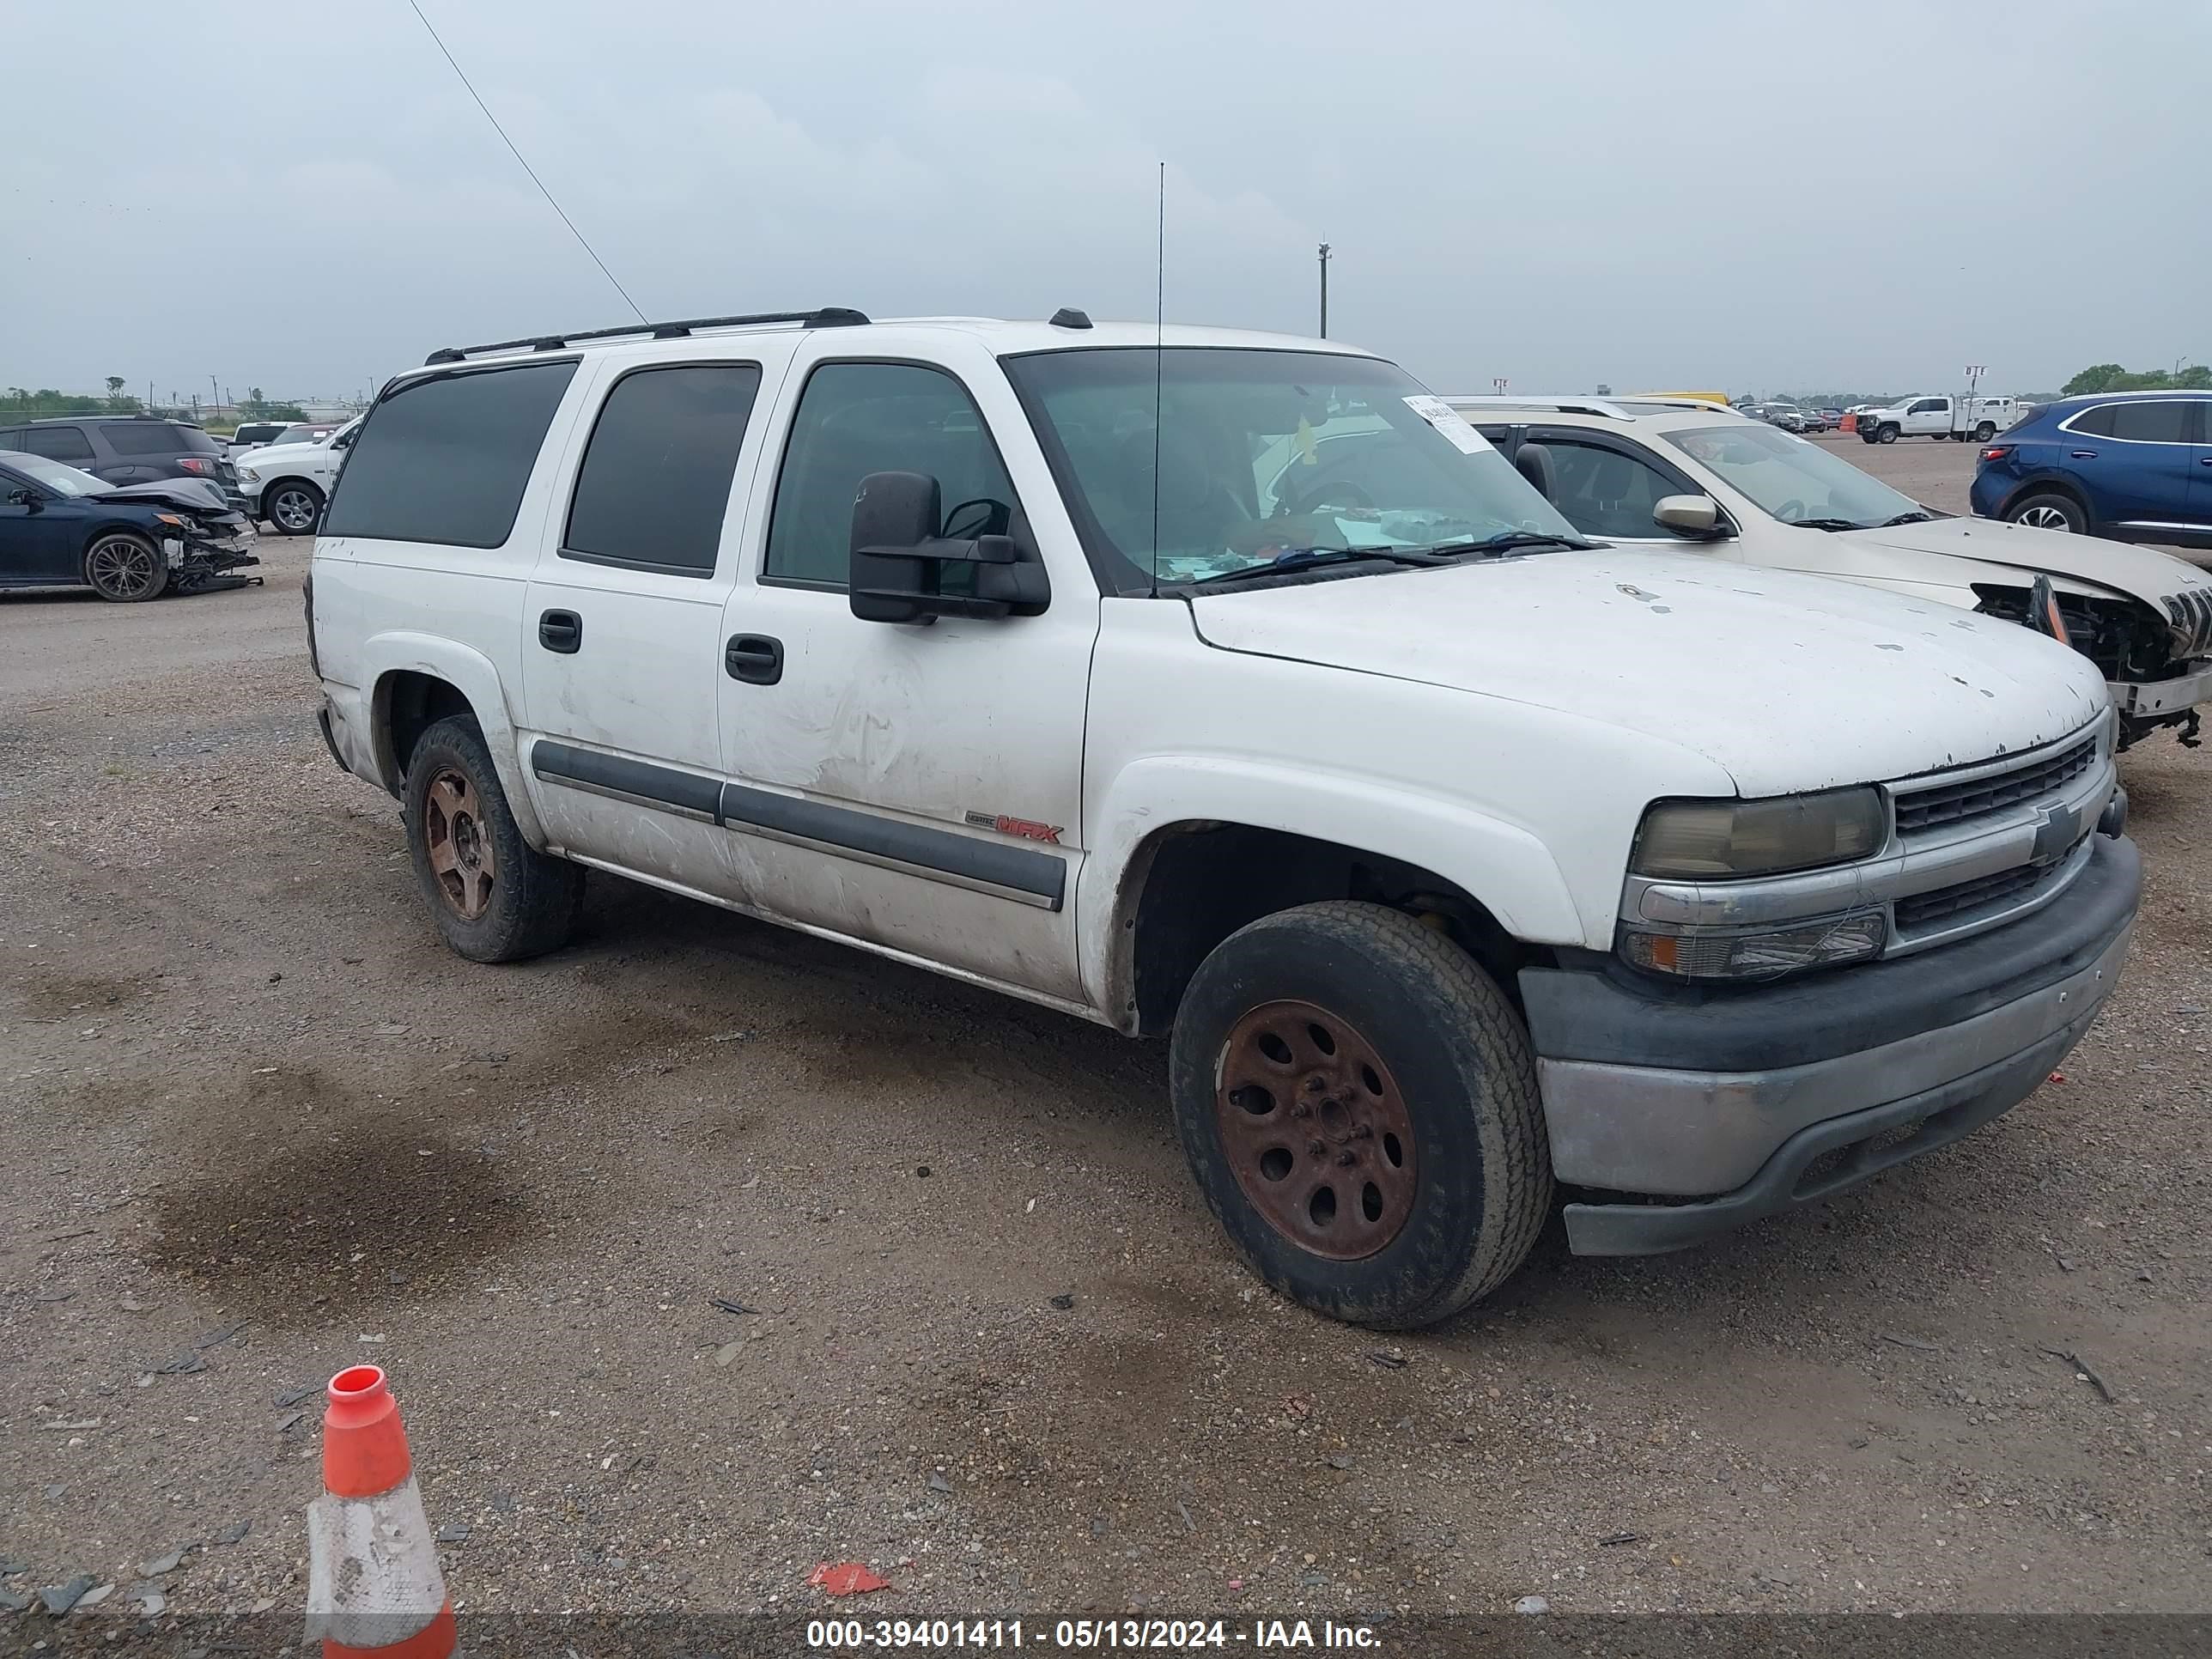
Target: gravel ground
(261, 1125)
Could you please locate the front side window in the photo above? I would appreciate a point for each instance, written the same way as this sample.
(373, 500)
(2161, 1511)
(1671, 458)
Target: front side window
(1928, 406)
(655, 480)
(1260, 454)
(858, 419)
(1604, 492)
(446, 459)
(1796, 482)
(58, 443)
(2150, 423)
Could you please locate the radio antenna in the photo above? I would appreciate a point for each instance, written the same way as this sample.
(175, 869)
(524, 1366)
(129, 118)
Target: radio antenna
(1159, 361)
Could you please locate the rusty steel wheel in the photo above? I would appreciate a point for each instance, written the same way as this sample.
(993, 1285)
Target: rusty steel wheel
(459, 841)
(1315, 1131)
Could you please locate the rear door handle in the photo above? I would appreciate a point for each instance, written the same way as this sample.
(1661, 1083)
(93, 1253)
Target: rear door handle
(2083, 454)
(753, 658)
(562, 631)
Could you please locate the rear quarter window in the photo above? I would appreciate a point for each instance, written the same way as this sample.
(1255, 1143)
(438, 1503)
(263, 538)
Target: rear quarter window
(158, 438)
(445, 459)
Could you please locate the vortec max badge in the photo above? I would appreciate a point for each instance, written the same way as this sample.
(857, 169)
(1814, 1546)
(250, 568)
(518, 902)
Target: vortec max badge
(1020, 829)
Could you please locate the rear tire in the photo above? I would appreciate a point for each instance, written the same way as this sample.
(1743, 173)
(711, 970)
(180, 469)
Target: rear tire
(125, 569)
(1984, 432)
(292, 506)
(2049, 509)
(494, 897)
(1355, 1028)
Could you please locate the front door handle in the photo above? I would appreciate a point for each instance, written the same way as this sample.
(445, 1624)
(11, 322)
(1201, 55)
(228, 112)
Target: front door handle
(562, 631)
(753, 658)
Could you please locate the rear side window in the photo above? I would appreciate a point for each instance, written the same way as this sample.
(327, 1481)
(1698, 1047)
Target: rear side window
(158, 438)
(58, 443)
(447, 459)
(858, 419)
(655, 480)
(2150, 422)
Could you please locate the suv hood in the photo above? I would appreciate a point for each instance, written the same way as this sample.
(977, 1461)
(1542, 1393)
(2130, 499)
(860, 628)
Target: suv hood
(1786, 682)
(2140, 573)
(188, 495)
(282, 455)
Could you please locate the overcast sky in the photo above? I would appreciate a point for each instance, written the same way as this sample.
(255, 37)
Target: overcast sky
(300, 195)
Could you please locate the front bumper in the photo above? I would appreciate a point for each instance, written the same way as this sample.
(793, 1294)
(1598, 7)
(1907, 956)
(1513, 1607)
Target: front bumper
(2153, 699)
(1714, 1108)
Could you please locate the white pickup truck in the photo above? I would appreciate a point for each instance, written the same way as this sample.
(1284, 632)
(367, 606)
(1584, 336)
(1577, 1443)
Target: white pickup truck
(1232, 689)
(1962, 418)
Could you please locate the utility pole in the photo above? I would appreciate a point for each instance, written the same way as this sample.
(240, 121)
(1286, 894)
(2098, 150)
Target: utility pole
(1324, 290)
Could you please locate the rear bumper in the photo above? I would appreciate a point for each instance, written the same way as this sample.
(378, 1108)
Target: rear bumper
(1712, 1110)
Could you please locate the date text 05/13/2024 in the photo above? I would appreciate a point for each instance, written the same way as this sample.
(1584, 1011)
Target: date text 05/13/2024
(1084, 1635)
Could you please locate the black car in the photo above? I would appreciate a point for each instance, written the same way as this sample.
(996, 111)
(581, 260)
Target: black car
(60, 527)
(128, 449)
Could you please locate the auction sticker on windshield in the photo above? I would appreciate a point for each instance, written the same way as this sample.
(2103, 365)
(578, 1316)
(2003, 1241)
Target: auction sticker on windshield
(1447, 420)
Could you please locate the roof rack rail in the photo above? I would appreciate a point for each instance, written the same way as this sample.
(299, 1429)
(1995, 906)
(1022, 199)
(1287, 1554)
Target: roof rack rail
(826, 317)
(1563, 405)
(1612, 409)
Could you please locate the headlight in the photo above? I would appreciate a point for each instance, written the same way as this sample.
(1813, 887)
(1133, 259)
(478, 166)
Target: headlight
(1762, 953)
(1717, 840)
(247, 475)
(169, 519)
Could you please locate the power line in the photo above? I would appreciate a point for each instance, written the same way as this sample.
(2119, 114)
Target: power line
(527, 169)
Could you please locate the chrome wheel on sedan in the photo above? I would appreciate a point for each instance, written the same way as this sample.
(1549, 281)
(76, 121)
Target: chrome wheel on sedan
(126, 568)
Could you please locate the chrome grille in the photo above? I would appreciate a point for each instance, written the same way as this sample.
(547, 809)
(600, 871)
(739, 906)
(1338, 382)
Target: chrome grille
(1945, 804)
(2190, 615)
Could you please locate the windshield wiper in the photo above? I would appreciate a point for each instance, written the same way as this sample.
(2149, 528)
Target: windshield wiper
(1826, 524)
(1918, 515)
(1507, 543)
(1308, 558)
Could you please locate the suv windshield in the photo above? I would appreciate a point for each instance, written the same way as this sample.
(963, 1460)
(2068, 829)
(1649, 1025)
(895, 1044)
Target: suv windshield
(62, 479)
(1262, 454)
(1795, 480)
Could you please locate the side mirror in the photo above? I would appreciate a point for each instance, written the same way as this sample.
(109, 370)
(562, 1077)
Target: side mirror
(1687, 515)
(22, 497)
(899, 561)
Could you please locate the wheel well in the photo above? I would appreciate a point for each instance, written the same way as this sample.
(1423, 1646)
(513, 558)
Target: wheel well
(407, 704)
(277, 483)
(2050, 487)
(1201, 882)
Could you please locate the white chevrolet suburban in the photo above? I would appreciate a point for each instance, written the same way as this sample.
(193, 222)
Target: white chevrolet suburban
(1233, 688)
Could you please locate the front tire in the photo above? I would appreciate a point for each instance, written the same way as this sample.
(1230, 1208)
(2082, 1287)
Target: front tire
(125, 569)
(2049, 509)
(292, 506)
(1884, 434)
(494, 897)
(1357, 1102)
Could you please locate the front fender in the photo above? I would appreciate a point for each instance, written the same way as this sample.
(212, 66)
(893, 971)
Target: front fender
(473, 675)
(1500, 864)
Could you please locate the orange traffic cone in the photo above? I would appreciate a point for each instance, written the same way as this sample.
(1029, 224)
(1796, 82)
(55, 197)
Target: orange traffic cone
(373, 1587)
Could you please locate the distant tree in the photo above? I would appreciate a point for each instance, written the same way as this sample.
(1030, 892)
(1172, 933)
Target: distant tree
(2098, 377)
(2110, 377)
(282, 412)
(114, 385)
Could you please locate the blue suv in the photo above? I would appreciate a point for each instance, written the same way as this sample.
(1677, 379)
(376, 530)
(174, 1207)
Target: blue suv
(2135, 465)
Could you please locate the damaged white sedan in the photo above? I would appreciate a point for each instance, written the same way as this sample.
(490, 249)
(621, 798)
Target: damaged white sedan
(1685, 475)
